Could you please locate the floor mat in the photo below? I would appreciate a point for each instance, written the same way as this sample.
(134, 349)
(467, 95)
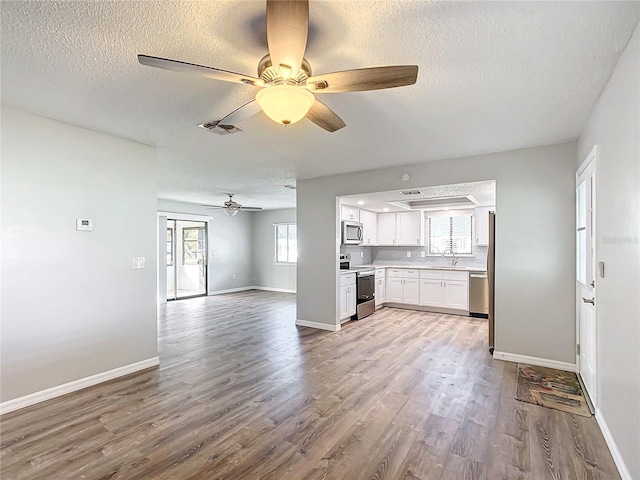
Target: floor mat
(551, 388)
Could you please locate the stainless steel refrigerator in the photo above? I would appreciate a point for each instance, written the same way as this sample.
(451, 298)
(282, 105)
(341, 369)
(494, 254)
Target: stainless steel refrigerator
(491, 273)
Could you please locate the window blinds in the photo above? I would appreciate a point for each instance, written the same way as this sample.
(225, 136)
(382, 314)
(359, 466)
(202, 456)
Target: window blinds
(450, 232)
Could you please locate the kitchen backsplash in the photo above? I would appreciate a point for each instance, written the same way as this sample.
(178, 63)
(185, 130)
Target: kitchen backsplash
(398, 256)
(355, 250)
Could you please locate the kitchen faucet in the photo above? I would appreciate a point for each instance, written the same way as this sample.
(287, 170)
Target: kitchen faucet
(454, 259)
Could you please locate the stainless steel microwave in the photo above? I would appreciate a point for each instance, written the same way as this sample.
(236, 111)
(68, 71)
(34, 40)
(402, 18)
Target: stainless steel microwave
(351, 233)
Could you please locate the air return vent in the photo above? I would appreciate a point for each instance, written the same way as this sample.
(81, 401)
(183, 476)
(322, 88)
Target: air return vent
(410, 192)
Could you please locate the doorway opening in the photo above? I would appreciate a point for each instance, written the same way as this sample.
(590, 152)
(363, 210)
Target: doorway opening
(186, 259)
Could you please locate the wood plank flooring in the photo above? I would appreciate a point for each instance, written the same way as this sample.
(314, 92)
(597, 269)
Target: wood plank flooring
(242, 393)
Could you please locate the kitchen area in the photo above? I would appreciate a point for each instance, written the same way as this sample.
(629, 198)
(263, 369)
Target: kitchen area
(428, 249)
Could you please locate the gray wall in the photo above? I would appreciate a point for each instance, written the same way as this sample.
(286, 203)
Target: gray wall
(230, 239)
(265, 272)
(615, 126)
(72, 305)
(535, 260)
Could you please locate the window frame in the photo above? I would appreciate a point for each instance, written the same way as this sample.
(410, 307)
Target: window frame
(184, 244)
(450, 216)
(287, 248)
(170, 250)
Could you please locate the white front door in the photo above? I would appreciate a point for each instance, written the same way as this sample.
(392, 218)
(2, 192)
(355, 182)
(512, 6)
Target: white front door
(586, 273)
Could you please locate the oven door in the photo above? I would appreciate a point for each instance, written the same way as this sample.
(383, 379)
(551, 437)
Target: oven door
(366, 288)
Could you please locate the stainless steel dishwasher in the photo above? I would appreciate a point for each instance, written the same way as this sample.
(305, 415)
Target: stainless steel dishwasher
(479, 294)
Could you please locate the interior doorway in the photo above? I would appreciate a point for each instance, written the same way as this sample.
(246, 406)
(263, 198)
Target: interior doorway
(186, 259)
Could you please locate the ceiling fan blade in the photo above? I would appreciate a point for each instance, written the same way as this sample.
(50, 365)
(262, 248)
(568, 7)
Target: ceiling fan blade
(287, 29)
(251, 209)
(201, 70)
(362, 79)
(245, 111)
(324, 117)
(212, 206)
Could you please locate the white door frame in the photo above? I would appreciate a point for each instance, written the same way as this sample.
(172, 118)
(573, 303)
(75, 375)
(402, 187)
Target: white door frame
(590, 162)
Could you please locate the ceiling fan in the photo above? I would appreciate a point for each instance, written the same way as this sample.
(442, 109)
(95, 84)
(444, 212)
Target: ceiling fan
(286, 83)
(231, 207)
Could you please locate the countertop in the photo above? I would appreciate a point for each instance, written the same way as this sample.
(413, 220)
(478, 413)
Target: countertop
(343, 272)
(462, 268)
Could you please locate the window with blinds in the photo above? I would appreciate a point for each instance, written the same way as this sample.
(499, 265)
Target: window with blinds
(450, 232)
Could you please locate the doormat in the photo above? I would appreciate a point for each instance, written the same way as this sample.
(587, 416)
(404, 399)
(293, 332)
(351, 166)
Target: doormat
(551, 388)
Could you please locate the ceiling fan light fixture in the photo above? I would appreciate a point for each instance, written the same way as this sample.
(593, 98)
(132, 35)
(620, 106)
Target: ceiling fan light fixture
(285, 104)
(230, 212)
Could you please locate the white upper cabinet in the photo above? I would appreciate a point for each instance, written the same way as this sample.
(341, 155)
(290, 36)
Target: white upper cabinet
(386, 229)
(481, 225)
(401, 228)
(409, 228)
(369, 222)
(349, 213)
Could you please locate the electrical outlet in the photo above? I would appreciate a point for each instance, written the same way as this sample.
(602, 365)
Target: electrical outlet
(423, 254)
(138, 262)
(361, 254)
(214, 253)
(408, 254)
(234, 276)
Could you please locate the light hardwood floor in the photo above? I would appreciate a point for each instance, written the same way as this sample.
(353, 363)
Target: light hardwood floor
(241, 393)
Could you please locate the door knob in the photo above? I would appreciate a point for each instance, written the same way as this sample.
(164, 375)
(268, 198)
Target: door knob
(592, 301)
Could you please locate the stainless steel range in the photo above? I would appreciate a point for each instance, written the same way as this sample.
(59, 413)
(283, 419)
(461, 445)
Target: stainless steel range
(365, 287)
(366, 291)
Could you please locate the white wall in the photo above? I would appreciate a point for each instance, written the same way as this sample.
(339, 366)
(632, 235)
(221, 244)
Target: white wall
(229, 237)
(535, 259)
(265, 272)
(615, 126)
(72, 305)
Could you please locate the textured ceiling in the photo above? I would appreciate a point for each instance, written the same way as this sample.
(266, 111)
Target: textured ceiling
(483, 192)
(493, 77)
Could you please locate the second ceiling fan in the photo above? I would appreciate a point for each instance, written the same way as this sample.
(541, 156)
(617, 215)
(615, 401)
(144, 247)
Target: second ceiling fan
(286, 83)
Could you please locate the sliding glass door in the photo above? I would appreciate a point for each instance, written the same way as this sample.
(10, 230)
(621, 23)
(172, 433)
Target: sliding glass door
(186, 259)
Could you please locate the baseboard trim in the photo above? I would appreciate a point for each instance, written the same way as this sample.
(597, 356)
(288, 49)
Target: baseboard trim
(230, 290)
(274, 289)
(540, 362)
(320, 326)
(613, 448)
(57, 391)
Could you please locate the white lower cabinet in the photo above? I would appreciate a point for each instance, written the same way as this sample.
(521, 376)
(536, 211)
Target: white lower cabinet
(456, 294)
(411, 291)
(380, 287)
(431, 292)
(444, 289)
(347, 295)
(395, 290)
(402, 286)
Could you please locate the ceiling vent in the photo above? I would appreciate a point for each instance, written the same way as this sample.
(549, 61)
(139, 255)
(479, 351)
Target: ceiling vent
(215, 127)
(410, 192)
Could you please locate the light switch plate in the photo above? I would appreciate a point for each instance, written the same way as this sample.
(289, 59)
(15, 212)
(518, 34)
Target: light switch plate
(361, 254)
(138, 262)
(84, 224)
(423, 254)
(408, 254)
